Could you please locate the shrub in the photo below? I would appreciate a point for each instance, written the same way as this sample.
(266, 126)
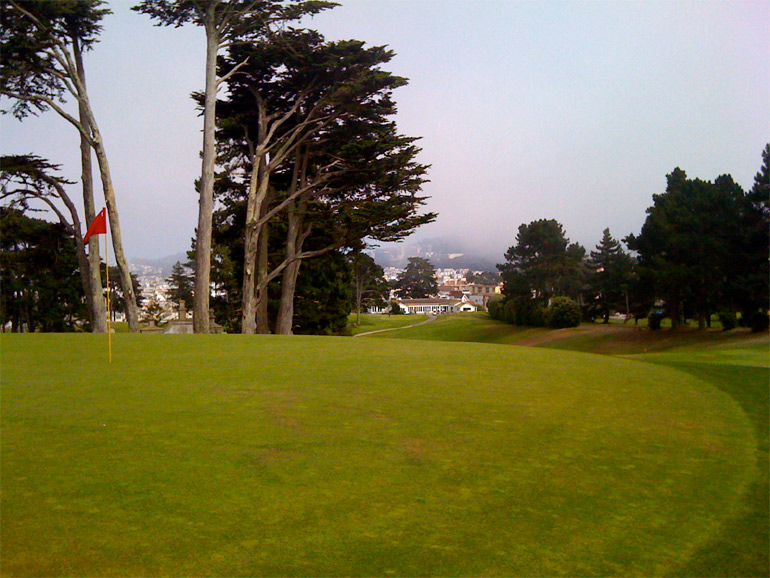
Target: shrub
(509, 312)
(529, 313)
(759, 321)
(654, 319)
(395, 309)
(728, 320)
(563, 312)
(538, 316)
(496, 306)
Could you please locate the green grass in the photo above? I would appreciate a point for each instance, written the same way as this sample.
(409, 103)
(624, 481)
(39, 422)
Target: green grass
(740, 547)
(468, 327)
(235, 456)
(740, 368)
(381, 322)
(735, 362)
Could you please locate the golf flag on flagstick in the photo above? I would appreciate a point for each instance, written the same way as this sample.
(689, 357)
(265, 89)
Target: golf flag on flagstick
(98, 227)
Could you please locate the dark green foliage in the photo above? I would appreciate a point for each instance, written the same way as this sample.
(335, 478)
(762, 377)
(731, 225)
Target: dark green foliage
(524, 312)
(323, 298)
(484, 277)
(728, 319)
(759, 321)
(34, 37)
(537, 315)
(180, 285)
(235, 19)
(543, 263)
(395, 309)
(40, 286)
(610, 277)
(152, 312)
(117, 295)
(752, 280)
(563, 312)
(369, 286)
(321, 304)
(704, 246)
(337, 164)
(417, 280)
(654, 319)
(348, 153)
(509, 312)
(496, 307)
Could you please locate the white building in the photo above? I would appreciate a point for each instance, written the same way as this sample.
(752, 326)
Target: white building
(435, 305)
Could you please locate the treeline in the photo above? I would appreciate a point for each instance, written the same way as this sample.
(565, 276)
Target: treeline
(702, 250)
(42, 289)
(302, 160)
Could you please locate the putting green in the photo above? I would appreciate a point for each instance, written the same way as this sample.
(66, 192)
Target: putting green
(234, 455)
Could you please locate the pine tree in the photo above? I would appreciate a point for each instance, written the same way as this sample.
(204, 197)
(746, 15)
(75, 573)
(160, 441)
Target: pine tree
(418, 280)
(611, 270)
(180, 285)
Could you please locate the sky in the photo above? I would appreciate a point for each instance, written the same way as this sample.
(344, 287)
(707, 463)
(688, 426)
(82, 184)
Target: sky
(571, 110)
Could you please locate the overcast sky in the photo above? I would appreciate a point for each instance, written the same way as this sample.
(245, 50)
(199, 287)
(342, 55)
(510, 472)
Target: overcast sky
(570, 110)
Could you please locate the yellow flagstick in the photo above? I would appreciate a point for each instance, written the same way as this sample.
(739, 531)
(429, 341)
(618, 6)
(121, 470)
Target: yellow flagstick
(109, 312)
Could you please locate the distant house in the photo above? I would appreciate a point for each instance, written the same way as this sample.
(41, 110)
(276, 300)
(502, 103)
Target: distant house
(436, 305)
(480, 294)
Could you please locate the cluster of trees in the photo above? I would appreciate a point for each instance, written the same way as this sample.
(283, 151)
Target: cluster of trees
(333, 285)
(703, 249)
(302, 160)
(41, 63)
(42, 289)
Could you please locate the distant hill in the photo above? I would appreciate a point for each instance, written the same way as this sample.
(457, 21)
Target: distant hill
(161, 265)
(442, 253)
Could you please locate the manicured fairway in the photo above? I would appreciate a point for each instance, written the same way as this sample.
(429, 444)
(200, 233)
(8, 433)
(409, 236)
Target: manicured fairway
(380, 322)
(234, 456)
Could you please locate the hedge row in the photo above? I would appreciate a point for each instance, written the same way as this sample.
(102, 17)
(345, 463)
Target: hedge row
(562, 312)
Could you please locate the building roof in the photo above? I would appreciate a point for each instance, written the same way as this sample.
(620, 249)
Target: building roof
(429, 301)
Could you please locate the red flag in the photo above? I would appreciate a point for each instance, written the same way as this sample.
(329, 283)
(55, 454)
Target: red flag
(98, 227)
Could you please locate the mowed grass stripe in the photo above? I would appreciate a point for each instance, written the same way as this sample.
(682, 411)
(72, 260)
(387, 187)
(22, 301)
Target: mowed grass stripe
(234, 455)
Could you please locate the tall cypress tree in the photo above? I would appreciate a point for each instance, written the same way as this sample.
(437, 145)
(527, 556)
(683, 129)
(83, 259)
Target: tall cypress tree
(41, 57)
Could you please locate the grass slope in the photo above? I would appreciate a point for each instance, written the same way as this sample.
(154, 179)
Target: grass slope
(380, 322)
(735, 362)
(235, 455)
(468, 327)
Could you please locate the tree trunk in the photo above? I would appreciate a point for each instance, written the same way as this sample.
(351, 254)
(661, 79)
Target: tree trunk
(628, 308)
(358, 294)
(92, 275)
(263, 322)
(91, 130)
(674, 313)
(284, 323)
(359, 287)
(132, 312)
(257, 194)
(206, 200)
